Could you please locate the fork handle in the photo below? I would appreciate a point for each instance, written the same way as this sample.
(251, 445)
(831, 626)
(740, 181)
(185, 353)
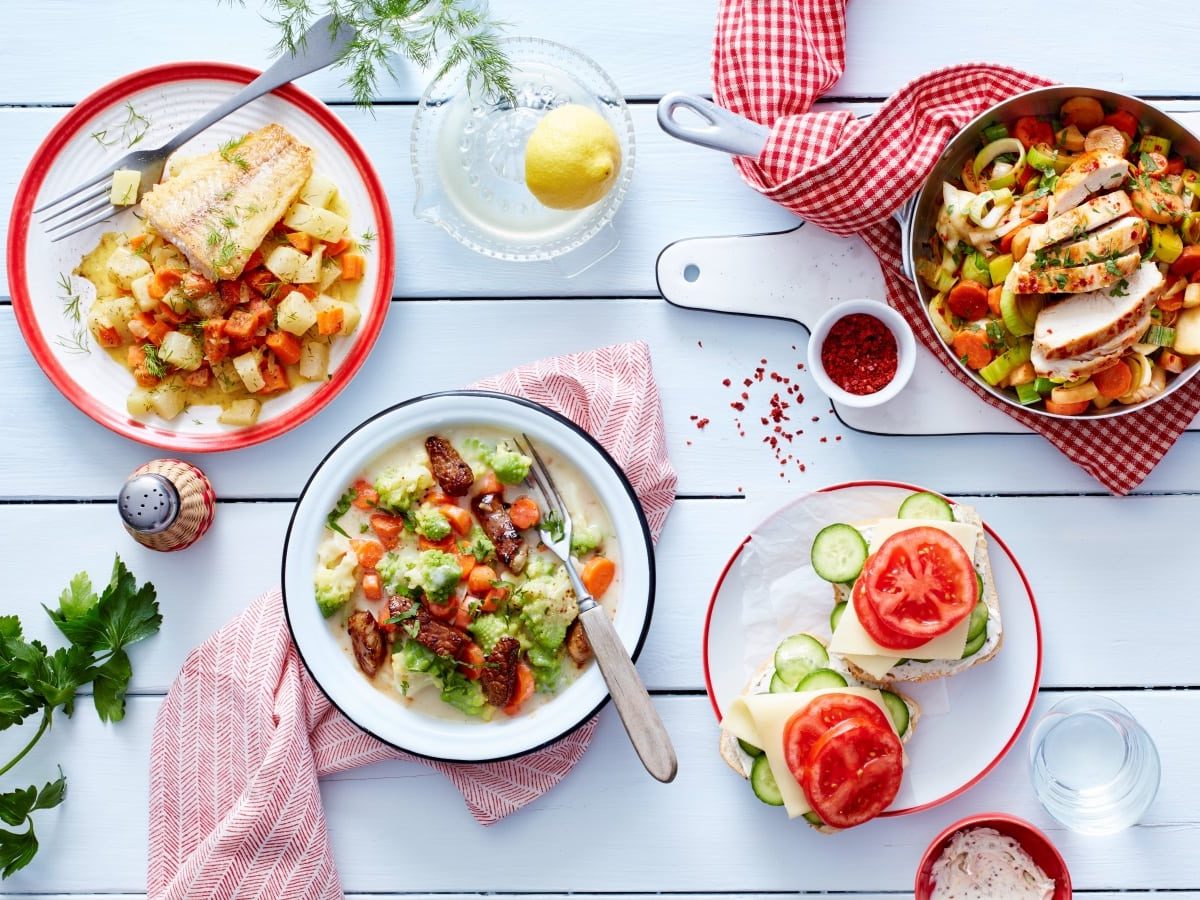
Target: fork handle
(638, 715)
(319, 47)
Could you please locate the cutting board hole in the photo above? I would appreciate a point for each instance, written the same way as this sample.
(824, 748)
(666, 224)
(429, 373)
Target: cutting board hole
(691, 272)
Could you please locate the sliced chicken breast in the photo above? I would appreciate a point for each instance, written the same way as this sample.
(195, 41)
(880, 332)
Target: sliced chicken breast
(1117, 237)
(1085, 364)
(218, 207)
(1037, 276)
(1079, 221)
(1078, 325)
(1093, 170)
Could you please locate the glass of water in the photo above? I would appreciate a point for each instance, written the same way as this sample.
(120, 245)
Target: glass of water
(1095, 769)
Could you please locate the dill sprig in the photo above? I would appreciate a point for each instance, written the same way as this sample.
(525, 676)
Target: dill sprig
(154, 364)
(129, 131)
(447, 32)
(229, 153)
(77, 340)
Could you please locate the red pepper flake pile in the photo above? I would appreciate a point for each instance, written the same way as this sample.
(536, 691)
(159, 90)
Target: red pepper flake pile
(860, 354)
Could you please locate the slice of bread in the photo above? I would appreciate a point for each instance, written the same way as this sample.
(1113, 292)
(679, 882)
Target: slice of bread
(741, 761)
(916, 670)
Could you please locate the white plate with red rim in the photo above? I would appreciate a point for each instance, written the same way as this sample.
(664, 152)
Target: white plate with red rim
(156, 103)
(990, 702)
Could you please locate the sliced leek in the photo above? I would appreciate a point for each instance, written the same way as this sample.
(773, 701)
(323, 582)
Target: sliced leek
(986, 217)
(1000, 367)
(1042, 157)
(934, 275)
(1165, 243)
(991, 152)
(937, 317)
(1154, 144)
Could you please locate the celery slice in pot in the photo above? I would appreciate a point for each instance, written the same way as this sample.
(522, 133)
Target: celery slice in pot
(999, 267)
(1160, 336)
(975, 268)
(1043, 385)
(1000, 367)
(937, 316)
(1013, 311)
(1027, 394)
(1152, 143)
(996, 132)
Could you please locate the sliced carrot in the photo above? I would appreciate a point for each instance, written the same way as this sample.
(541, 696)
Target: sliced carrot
(163, 281)
(372, 586)
(597, 575)
(255, 260)
(261, 280)
(201, 378)
(353, 266)
(968, 300)
(1123, 120)
(479, 582)
(523, 690)
(435, 497)
(446, 544)
(286, 347)
(337, 247)
(466, 562)
(368, 552)
(444, 611)
(460, 519)
(1170, 304)
(462, 618)
(365, 495)
(305, 291)
(157, 330)
(138, 240)
(524, 512)
(1067, 409)
(301, 241)
(994, 293)
(1115, 381)
(1188, 262)
(489, 484)
(167, 314)
(491, 600)
(1006, 242)
(472, 661)
(389, 529)
(262, 311)
(329, 320)
(216, 343)
(973, 348)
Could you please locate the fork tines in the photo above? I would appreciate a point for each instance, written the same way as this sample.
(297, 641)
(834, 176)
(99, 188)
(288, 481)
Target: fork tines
(539, 473)
(97, 208)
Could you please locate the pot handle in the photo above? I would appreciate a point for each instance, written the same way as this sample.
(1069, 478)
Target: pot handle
(904, 215)
(719, 129)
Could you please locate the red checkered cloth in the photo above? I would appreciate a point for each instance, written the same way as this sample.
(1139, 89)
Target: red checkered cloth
(244, 733)
(772, 59)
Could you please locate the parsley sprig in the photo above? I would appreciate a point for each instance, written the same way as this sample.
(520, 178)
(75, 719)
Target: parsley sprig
(99, 626)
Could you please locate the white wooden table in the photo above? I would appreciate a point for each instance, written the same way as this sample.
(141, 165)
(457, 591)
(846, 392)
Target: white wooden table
(1115, 577)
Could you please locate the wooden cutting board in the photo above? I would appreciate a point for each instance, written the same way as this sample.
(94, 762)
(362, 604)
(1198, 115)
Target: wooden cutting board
(795, 276)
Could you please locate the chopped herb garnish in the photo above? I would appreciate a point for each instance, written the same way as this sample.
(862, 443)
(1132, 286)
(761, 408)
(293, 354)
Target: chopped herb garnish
(342, 507)
(1120, 289)
(154, 364)
(554, 525)
(228, 151)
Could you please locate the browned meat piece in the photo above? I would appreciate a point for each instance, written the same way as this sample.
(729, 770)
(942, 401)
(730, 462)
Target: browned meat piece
(449, 468)
(441, 639)
(489, 509)
(366, 637)
(578, 646)
(499, 673)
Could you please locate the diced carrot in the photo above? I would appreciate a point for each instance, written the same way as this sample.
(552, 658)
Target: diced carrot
(523, 690)
(460, 519)
(234, 293)
(216, 343)
(491, 600)
(479, 582)
(1122, 120)
(462, 618)
(973, 347)
(389, 529)
(994, 293)
(353, 266)
(262, 311)
(466, 562)
(286, 347)
(108, 336)
(329, 320)
(489, 484)
(372, 586)
(337, 247)
(365, 495)
(274, 376)
(305, 289)
(201, 378)
(435, 497)
(163, 281)
(139, 240)
(301, 241)
(241, 324)
(968, 300)
(167, 314)
(1030, 130)
(472, 661)
(369, 552)
(1188, 262)
(255, 260)
(444, 611)
(157, 330)
(136, 357)
(1067, 409)
(196, 285)
(1115, 381)
(261, 280)
(446, 544)
(597, 575)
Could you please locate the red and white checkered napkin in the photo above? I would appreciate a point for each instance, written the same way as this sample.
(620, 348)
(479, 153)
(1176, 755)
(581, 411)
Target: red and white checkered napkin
(244, 732)
(771, 61)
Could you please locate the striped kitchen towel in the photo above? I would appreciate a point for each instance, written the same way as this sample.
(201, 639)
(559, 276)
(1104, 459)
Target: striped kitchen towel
(245, 733)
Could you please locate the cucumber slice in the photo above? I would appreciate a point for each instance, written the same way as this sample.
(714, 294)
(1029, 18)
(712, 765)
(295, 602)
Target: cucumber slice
(813, 819)
(779, 686)
(763, 782)
(979, 581)
(797, 656)
(979, 620)
(926, 506)
(836, 615)
(974, 646)
(749, 749)
(822, 678)
(897, 711)
(838, 553)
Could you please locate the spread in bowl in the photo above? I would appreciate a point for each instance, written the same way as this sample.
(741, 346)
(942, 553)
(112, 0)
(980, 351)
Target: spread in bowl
(982, 863)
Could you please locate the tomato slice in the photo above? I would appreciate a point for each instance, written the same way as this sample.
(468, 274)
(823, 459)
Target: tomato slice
(807, 725)
(871, 623)
(854, 772)
(919, 584)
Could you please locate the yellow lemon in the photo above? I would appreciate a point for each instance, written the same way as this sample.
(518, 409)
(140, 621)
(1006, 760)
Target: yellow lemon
(572, 158)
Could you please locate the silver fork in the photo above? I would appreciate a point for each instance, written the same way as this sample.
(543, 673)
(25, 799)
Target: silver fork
(321, 46)
(641, 720)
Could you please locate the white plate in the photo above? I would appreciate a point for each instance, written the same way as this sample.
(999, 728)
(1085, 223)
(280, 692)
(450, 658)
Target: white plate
(169, 98)
(968, 722)
(336, 673)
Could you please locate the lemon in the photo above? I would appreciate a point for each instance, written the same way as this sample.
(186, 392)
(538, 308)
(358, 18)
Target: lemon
(572, 158)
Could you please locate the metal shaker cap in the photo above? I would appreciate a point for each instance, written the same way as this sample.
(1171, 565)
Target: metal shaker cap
(148, 503)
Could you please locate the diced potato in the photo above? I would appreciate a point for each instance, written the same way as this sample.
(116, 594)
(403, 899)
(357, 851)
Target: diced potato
(295, 314)
(1187, 332)
(112, 313)
(319, 190)
(314, 360)
(310, 272)
(166, 256)
(331, 271)
(169, 398)
(177, 300)
(125, 184)
(1191, 296)
(140, 401)
(227, 377)
(286, 263)
(248, 370)
(350, 312)
(320, 223)
(181, 351)
(141, 293)
(240, 412)
(124, 265)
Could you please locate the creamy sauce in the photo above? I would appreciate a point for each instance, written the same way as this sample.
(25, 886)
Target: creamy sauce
(423, 694)
(982, 864)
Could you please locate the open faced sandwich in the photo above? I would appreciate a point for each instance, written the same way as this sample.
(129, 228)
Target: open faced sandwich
(813, 739)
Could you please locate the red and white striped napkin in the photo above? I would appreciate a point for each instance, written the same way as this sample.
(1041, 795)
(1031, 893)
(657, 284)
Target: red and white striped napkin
(244, 733)
(772, 59)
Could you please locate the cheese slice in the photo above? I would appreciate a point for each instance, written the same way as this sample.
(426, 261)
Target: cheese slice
(851, 639)
(760, 720)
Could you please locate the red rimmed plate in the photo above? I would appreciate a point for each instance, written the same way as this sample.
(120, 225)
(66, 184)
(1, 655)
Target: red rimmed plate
(968, 723)
(97, 133)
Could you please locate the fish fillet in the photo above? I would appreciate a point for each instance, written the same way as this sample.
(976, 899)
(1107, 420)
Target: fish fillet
(220, 206)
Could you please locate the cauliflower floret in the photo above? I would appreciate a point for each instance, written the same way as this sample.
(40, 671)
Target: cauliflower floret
(548, 606)
(399, 487)
(334, 580)
(430, 523)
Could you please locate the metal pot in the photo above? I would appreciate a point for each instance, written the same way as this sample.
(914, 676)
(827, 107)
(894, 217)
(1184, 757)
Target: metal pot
(730, 133)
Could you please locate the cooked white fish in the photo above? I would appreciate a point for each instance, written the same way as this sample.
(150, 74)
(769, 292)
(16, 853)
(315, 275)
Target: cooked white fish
(218, 208)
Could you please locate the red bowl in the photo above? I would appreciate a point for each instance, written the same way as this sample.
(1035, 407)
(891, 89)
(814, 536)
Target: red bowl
(1036, 844)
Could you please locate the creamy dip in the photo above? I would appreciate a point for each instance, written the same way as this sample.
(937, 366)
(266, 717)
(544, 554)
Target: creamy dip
(983, 864)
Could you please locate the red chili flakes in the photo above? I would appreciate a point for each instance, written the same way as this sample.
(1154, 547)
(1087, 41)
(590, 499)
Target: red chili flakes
(727, 382)
(860, 354)
(701, 423)
(738, 405)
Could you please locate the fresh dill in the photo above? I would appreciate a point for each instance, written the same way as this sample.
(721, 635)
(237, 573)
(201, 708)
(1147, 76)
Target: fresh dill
(228, 151)
(77, 340)
(154, 364)
(129, 131)
(366, 240)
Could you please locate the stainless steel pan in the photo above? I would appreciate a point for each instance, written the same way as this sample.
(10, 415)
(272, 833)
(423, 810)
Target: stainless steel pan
(719, 129)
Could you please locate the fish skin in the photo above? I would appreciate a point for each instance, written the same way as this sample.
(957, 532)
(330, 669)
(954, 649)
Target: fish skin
(218, 210)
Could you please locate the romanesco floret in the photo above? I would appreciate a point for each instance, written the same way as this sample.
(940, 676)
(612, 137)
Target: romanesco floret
(464, 695)
(430, 523)
(479, 545)
(393, 569)
(510, 466)
(488, 629)
(436, 574)
(334, 582)
(585, 539)
(547, 667)
(399, 487)
(548, 606)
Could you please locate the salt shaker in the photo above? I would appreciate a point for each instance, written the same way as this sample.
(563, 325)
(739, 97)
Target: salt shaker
(167, 504)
